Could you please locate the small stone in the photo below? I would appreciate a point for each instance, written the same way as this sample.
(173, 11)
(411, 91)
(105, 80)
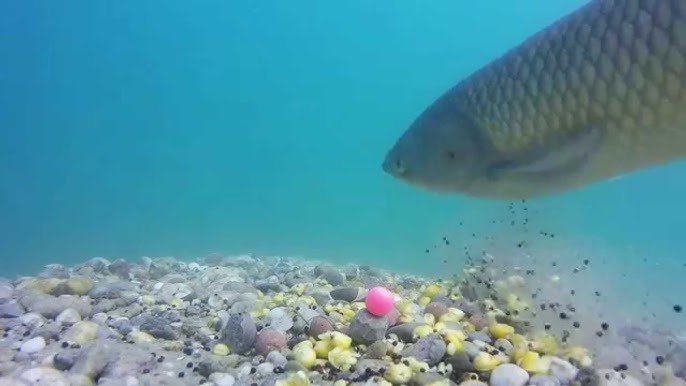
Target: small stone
(347, 294)
(33, 345)
(270, 340)
(240, 333)
(81, 332)
(504, 345)
(121, 268)
(68, 317)
(277, 359)
(366, 328)
(404, 331)
(11, 309)
(329, 273)
(461, 362)
(294, 366)
(431, 378)
(508, 375)
(563, 370)
(75, 286)
(436, 309)
(545, 380)
(429, 349)
(64, 360)
(44, 376)
(159, 327)
(122, 324)
(319, 325)
(265, 369)
(222, 379)
(478, 335)
(377, 350)
(473, 383)
(278, 319)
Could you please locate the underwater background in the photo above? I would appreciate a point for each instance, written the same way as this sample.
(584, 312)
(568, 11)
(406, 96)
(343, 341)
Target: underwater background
(154, 128)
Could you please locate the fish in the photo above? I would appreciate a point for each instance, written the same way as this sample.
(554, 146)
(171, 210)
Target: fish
(597, 94)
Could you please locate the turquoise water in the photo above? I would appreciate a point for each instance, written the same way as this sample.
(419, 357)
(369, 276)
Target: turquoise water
(134, 128)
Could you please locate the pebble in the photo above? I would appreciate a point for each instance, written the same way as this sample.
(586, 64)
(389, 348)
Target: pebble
(44, 376)
(347, 294)
(366, 328)
(120, 268)
(429, 349)
(68, 317)
(240, 333)
(277, 359)
(508, 375)
(279, 320)
(268, 340)
(544, 380)
(11, 309)
(330, 274)
(33, 345)
(222, 379)
(563, 370)
(81, 332)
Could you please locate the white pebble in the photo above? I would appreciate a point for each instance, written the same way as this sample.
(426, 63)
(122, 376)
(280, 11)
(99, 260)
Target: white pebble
(68, 317)
(100, 318)
(509, 375)
(563, 370)
(32, 320)
(44, 376)
(265, 369)
(222, 379)
(33, 345)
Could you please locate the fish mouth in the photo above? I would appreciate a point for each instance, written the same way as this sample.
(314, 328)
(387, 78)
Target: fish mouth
(394, 166)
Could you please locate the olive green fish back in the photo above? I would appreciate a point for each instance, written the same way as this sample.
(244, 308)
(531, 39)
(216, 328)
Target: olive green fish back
(618, 65)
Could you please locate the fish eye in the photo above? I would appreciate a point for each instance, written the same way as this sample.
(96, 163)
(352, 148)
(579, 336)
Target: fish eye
(399, 166)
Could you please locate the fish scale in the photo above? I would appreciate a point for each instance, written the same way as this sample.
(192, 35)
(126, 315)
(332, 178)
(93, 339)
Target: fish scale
(598, 66)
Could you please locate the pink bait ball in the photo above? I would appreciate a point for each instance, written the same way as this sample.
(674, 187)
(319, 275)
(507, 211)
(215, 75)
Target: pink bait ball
(379, 301)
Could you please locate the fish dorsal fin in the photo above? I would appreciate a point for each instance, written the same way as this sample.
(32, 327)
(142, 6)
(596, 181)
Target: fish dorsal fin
(564, 155)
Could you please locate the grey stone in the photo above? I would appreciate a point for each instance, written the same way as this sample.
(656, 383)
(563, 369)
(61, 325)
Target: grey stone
(271, 283)
(329, 273)
(504, 345)
(159, 327)
(460, 362)
(11, 309)
(111, 290)
(122, 324)
(121, 268)
(478, 335)
(429, 349)
(508, 375)
(366, 328)
(377, 350)
(563, 370)
(50, 307)
(240, 333)
(544, 380)
(65, 359)
(277, 359)
(93, 360)
(430, 378)
(279, 320)
(347, 294)
(404, 331)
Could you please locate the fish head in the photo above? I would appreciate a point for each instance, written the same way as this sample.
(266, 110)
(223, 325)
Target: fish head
(441, 151)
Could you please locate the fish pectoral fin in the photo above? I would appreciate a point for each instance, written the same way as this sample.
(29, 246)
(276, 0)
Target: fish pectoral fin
(565, 155)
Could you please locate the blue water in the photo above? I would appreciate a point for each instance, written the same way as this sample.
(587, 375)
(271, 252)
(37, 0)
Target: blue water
(135, 128)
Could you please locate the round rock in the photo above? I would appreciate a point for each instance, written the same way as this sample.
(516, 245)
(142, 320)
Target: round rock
(240, 333)
(509, 375)
(366, 328)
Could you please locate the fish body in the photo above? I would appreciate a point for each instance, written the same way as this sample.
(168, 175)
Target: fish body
(599, 93)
